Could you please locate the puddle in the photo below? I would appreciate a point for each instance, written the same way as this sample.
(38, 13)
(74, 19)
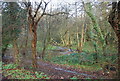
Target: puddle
(58, 68)
(74, 72)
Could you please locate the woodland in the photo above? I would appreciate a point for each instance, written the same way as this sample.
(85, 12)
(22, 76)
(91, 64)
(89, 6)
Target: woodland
(44, 40)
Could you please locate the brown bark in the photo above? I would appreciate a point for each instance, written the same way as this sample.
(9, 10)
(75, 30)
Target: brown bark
(43, 52)
(33, 22)
(16, 53)
(119, 55)
(33, 46)
(118, 39)
(114, 20)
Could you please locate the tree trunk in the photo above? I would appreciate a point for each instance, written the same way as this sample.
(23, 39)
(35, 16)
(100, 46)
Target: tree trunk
(63, 42)
(16, 53)
(43, 52)
(118, 39)
(44, 48)
(70, 44)
(33, 22)
(34, 53)
(82, 38)
(33, 46)
(114, 20)
(78, 41)
(26, 39)
(44, 44)
(119, 55)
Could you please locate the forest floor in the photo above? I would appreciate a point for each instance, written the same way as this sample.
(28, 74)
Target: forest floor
(57, 71)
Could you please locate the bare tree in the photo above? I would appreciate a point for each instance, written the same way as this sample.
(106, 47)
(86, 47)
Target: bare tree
(34, 16)
(33, 20)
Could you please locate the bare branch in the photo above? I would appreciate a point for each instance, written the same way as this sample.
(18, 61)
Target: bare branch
(42, 12)
(38, 9)
(29, 9)
(44, 7)
(27, 4)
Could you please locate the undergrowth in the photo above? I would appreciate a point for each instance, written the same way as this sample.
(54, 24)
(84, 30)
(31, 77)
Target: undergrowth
(12, 72)
(82, 60)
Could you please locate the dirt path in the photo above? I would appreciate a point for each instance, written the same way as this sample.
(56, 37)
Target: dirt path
(59, 72)
(56, 71)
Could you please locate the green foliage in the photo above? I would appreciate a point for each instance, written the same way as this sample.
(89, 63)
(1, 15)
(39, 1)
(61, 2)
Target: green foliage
(110, 58)
(95, 26)
(51, 47)
(11, 21)
(13, 17)
(83, 60)
(10, 66)
(75, 58)
(10, 46)
(39, 48)
(88, 47)
(14, 73)
(74, 78)
(41, 75)
(94, 21)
